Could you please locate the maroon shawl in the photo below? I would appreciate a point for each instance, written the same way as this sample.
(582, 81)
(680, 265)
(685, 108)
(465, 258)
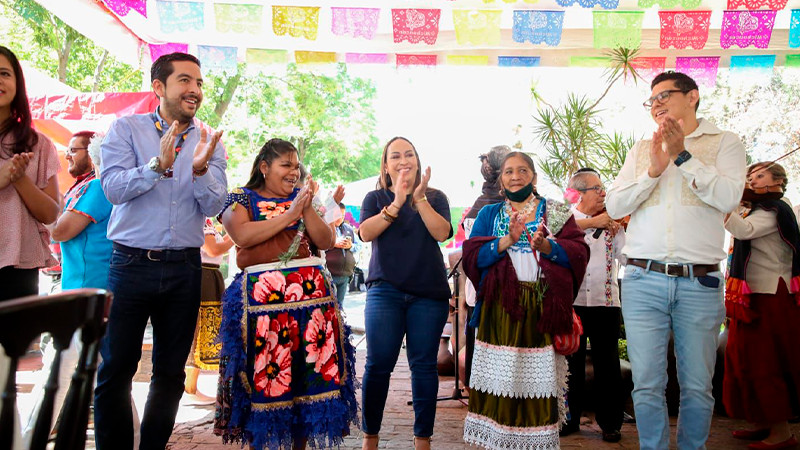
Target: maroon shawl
(501, 283)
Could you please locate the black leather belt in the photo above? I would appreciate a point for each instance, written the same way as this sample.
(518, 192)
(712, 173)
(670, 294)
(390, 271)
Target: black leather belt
(676, 269)
(170, 255)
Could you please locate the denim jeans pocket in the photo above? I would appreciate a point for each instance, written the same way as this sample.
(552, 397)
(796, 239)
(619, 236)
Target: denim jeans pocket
(120, 259)
(633, 272)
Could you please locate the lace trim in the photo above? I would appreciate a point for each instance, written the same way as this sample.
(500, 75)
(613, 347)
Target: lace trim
(562, 374)
(484, 432)
(516, 372)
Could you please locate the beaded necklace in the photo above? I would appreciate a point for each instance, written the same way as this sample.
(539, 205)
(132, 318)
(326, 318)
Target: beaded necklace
(526, 211)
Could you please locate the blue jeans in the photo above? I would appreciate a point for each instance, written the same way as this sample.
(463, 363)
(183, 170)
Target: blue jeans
(653, 305)
(168, 293)
(388, 316)
(341, 283)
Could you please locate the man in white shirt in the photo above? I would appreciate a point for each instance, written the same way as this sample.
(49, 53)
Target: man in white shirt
(677, 187)
(597, 304)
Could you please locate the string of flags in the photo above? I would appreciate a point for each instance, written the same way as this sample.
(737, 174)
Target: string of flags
(688, 28)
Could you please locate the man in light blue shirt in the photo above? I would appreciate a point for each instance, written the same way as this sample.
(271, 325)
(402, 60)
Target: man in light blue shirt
(164, 172)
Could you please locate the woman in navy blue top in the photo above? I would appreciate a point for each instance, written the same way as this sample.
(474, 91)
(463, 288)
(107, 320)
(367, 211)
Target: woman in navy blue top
(407, 292)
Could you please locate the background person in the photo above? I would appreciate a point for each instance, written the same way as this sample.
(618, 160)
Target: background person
(527, 279)
(287, 366)
(28, 187)
(597, 305)
(341, 259)
(490, 193)
(407, 289)
(762, 298)
(204, 353)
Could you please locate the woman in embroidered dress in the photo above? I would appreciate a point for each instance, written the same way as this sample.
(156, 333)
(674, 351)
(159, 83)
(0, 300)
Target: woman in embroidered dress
(286, 366)
(28, 187)
(762, 299)
(527, 279)
(407, 294)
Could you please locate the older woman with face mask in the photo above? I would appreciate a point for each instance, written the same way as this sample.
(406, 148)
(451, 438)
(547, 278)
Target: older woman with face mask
(527, 257)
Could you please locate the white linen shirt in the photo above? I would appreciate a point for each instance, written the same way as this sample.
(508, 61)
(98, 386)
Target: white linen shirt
(599, 286)
(678, 216)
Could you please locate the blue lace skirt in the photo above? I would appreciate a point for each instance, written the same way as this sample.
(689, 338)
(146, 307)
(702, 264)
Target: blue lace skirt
(287, 368)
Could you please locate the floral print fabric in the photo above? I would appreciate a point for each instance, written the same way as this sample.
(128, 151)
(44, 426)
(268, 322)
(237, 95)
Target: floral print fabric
(287, 366)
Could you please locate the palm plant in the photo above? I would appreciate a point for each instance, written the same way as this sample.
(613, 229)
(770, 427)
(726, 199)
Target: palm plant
(571, 133)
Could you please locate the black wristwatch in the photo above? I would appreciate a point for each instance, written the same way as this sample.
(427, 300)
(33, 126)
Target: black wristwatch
(682, 157)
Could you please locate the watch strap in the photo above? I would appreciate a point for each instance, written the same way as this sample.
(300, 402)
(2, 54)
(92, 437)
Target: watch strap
(682, 157)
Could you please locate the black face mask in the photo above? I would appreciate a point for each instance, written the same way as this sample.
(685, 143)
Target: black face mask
(521, 195)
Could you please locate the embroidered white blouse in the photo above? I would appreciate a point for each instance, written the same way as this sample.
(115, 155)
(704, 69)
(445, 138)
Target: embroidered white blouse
(599, 287)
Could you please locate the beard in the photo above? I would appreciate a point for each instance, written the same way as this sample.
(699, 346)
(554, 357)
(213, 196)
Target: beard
(174, 109)
(79, 168)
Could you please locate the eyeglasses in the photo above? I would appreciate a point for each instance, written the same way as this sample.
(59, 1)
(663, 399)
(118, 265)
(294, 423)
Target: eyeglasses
(596, 189)
(661, 97)
(72, 151)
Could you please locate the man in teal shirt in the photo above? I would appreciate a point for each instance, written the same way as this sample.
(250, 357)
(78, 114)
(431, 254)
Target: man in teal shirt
(81, 228)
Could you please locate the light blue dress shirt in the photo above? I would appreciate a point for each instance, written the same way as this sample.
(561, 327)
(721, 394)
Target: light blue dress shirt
(150, 212)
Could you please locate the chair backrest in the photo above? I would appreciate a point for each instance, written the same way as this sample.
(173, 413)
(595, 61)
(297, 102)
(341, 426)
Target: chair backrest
(61, 315)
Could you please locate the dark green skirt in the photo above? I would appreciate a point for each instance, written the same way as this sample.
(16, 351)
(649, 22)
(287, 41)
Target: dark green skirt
(518, 381)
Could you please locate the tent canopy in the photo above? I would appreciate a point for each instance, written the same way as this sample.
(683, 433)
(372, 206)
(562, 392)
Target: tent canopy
(136, 23)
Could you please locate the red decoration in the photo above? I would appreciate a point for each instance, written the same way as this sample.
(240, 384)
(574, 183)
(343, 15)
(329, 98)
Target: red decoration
(416, 60)
(682, 29)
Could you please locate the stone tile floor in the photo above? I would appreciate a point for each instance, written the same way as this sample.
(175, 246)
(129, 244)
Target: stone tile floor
(193, 428)
(194, 424)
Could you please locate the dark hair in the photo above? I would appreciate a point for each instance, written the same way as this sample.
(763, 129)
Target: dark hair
(20, 123)
(84, 134)
(384, 180)
(273, 149)
(682, 81)
(587, 169)
(303, 173)
(491, 162)
(162, 68)
(341, 205)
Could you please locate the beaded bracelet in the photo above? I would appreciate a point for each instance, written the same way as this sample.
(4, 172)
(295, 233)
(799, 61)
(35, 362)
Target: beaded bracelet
(387, 216)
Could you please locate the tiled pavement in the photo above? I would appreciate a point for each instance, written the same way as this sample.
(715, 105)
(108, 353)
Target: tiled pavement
(193, 429)
(397, 427)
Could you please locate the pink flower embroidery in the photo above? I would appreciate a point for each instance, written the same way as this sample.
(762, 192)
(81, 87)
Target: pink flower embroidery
(321, 348)
(271, 287)
(265, 339)
(311, 281)
(286, 330)
(273, 372)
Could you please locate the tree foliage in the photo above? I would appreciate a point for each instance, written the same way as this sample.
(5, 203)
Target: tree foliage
(571, 133)
(35, 34)
(329, 118)
(762, 111)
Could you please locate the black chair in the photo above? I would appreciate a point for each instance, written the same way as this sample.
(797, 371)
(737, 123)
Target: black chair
(22, 320)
